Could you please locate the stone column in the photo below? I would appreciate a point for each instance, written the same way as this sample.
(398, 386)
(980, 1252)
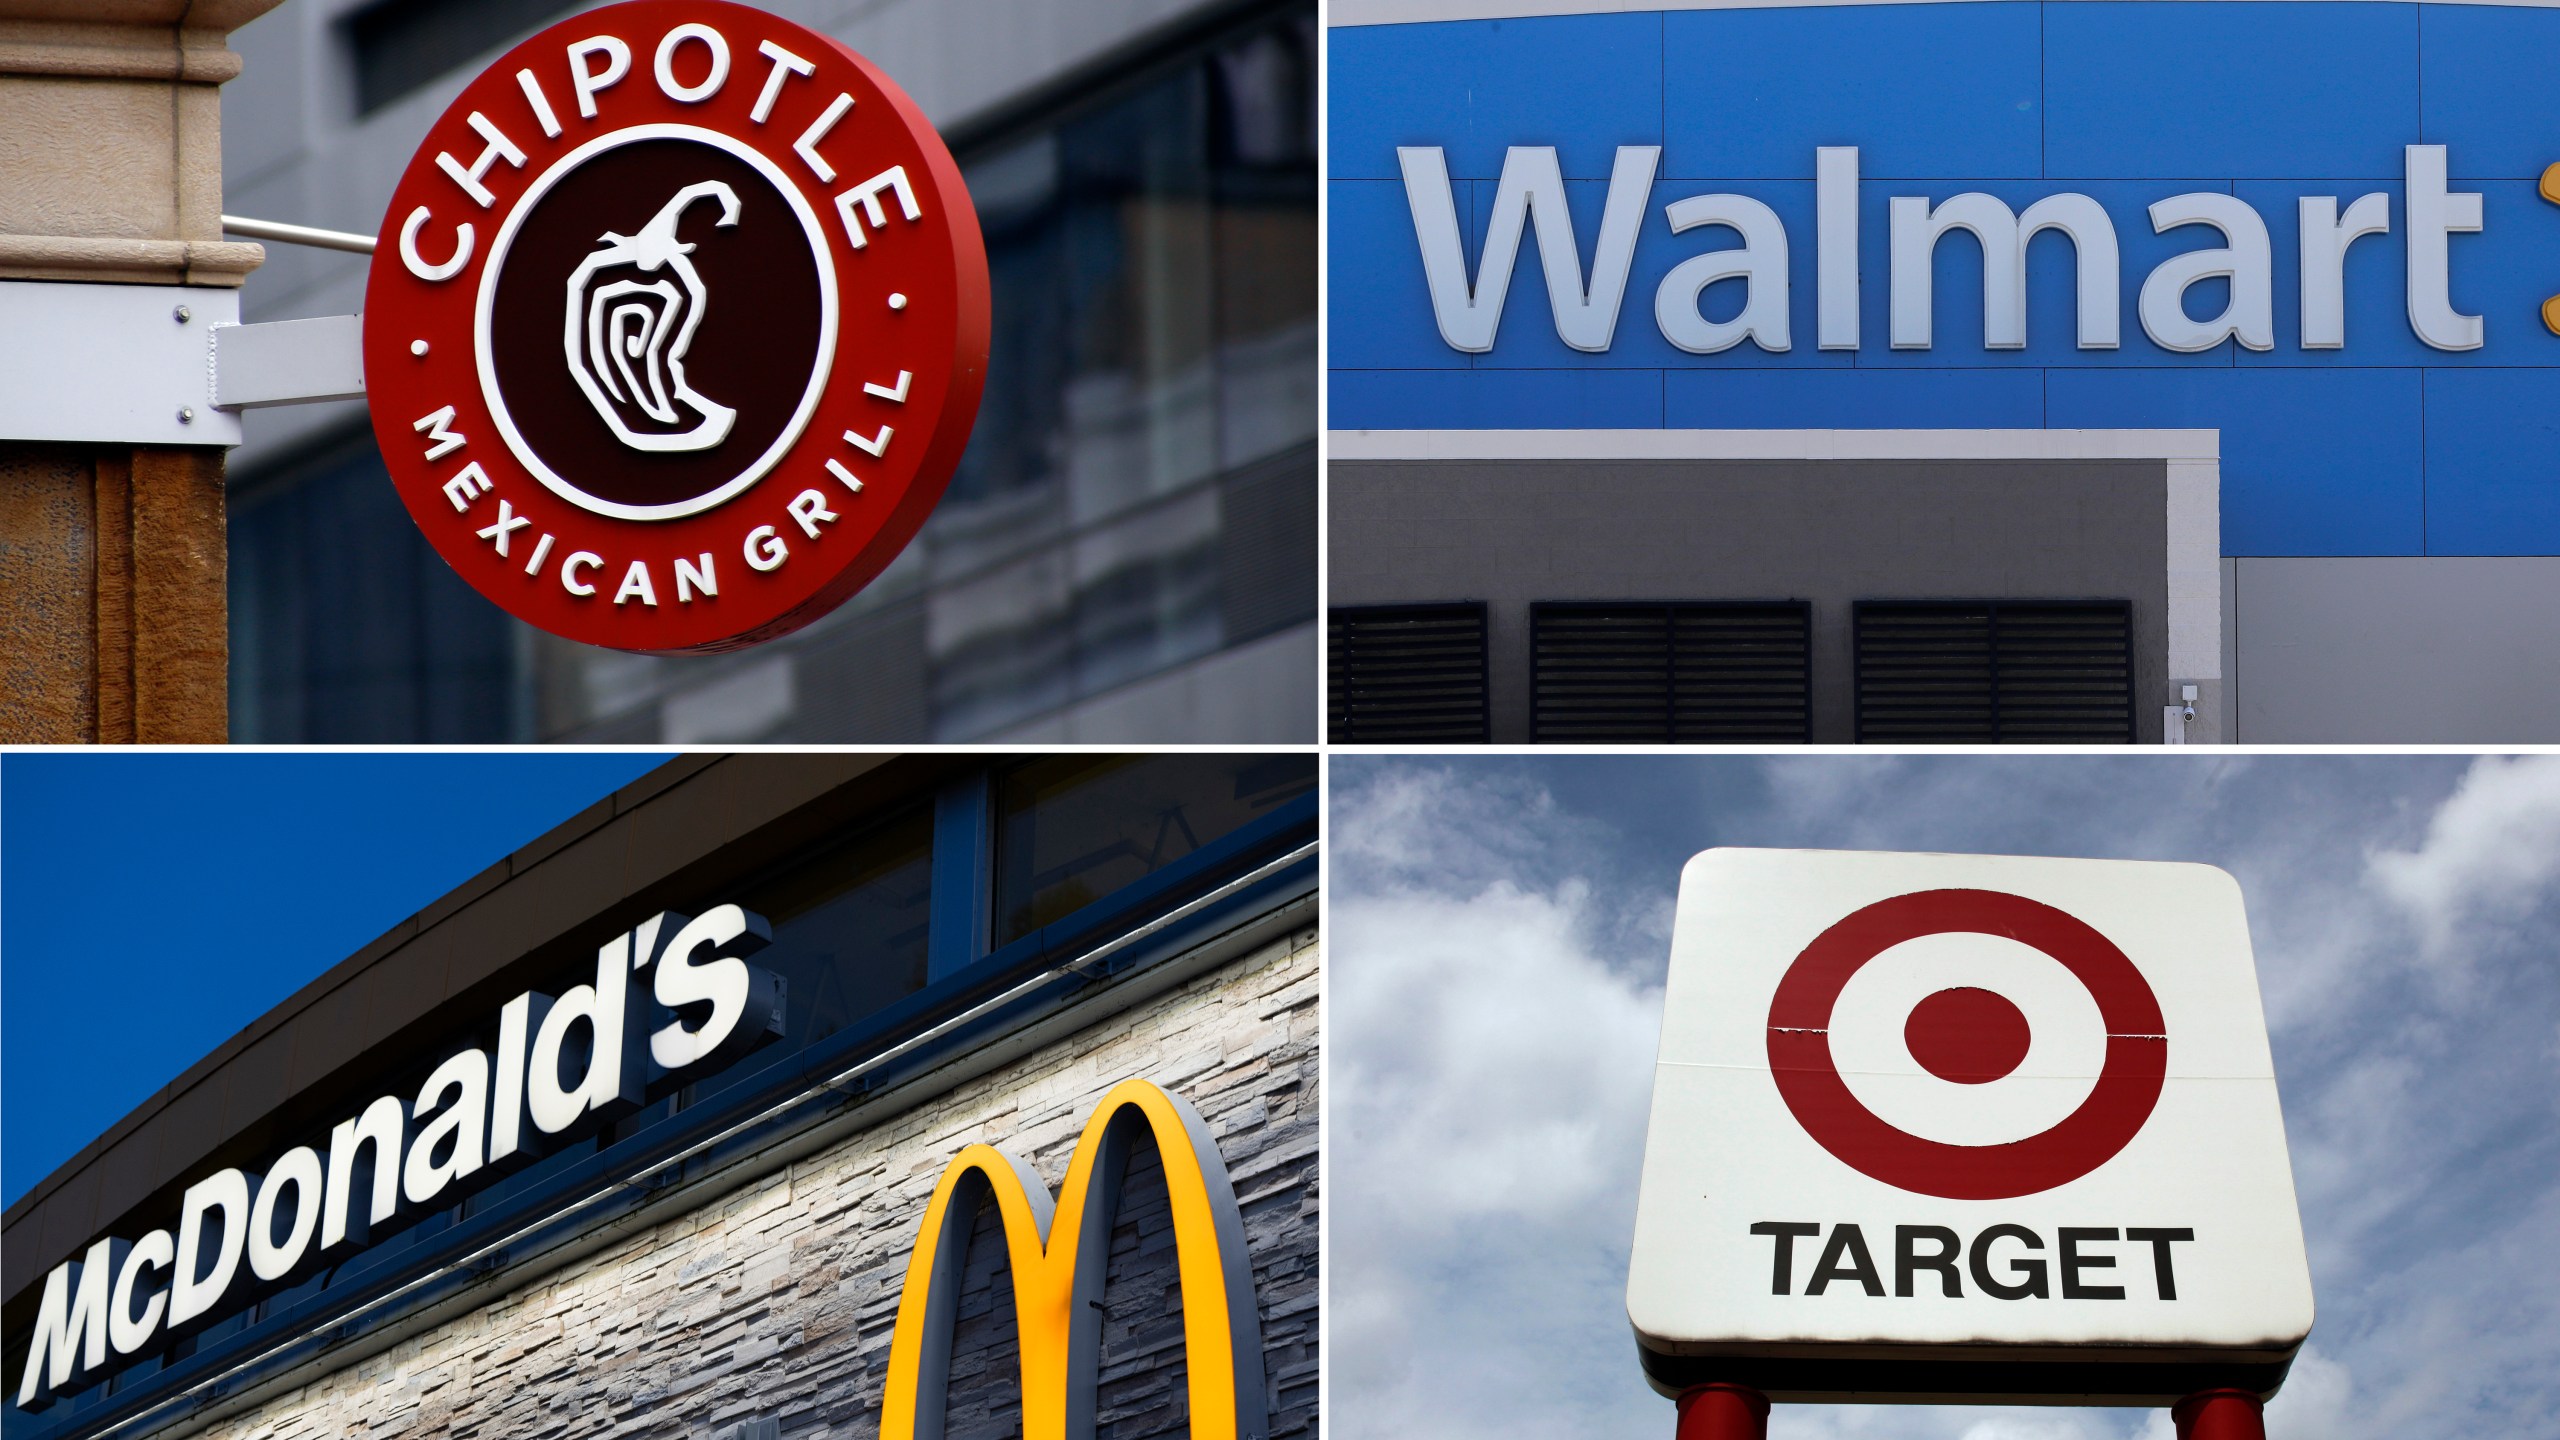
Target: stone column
(112, 613)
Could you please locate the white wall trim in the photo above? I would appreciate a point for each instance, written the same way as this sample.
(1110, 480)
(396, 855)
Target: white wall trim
(112, 364)
(2195, 571)
(1343, 13)
(1658, 444)
(2194, 483)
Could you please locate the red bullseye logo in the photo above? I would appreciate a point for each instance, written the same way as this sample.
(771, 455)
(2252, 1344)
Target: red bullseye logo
(1969, 1036)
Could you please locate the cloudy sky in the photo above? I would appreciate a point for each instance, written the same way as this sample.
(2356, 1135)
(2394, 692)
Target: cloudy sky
(1498, 932)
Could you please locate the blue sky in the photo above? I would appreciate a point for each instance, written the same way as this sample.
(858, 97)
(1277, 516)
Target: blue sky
(151, 905)
(1497, 929)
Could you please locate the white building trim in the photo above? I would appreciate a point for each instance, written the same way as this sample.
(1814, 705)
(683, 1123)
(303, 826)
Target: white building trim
(2193, 459)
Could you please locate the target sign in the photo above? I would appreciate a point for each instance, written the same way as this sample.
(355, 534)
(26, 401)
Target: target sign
(677, 326)
(1908, 1107)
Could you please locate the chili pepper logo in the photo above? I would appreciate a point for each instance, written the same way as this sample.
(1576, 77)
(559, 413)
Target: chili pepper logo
(626, 338)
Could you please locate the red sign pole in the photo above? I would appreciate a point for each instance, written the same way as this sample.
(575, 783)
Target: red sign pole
(2218, 1415)
(1722, 1411)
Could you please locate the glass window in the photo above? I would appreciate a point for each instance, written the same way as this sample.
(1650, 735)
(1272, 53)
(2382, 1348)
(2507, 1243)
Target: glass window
(1263, 177)
(404, 45)
(1153, 263)
(849, 930)
(1071, 829)
(347, 627)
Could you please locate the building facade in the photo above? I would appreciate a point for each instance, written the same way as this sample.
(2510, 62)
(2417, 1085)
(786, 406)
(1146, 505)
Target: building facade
(1127, 552)
(111, 495)
(1095, 974)
(1943, 372)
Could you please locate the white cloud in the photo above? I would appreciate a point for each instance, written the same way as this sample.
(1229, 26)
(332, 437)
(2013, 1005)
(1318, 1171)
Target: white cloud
(1492, 1049)
(2317, 1402)
(2490, 855)
(1490, 1070)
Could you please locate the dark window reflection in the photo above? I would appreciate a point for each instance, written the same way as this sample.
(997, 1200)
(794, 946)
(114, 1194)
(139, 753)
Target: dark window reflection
(1153, 261)
(347, 626)
(1071, 829)
(400, 46)
(1263, 176)
(849, 931)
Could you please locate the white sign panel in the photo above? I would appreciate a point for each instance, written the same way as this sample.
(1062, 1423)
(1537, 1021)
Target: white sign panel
(1959, 1126)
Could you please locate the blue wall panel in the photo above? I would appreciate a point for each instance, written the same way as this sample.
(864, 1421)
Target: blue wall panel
(1495, 399)
(2493, 461)
(2484, 69)
(1854, 400)
(2246, 91)
(1585, 84)
(1378, 310)
(2314, 462)
(2386, 447)
(1749, 94)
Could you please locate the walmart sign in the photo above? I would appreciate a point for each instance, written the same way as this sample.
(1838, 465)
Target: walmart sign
(1586, 311)
(2323, 229)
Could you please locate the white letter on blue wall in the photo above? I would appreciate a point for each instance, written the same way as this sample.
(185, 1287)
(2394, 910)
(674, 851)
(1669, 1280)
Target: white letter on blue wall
(2004, 236)
(1761, 264)
(1835, 260)
(2248, 260)
(2325, 238)
(1586, 317)
(2433, 215)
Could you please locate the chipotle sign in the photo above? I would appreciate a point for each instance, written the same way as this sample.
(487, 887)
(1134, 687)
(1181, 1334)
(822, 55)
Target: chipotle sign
(677, 328)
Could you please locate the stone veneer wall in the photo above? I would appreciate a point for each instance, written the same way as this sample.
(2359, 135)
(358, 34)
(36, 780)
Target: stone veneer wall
(778, 1301)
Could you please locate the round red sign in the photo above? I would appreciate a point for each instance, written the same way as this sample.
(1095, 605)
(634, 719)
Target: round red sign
(1809, 1080)
(677, 327)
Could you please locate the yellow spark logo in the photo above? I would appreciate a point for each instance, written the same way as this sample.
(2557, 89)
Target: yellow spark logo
(2551, 192)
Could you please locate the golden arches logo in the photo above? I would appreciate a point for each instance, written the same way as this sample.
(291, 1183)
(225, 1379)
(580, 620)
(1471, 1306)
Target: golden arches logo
(1057, 1260)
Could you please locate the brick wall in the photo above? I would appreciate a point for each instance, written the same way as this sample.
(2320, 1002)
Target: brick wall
(778, 1301)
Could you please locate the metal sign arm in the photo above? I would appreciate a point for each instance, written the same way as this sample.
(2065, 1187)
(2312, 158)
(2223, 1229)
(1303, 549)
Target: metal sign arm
(284, 234)
(288, 362)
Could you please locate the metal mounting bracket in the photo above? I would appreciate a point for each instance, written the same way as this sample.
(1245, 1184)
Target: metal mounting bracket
(158, 364)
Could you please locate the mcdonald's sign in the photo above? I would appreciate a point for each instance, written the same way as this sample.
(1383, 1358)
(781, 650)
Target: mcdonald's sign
(1057, 1254)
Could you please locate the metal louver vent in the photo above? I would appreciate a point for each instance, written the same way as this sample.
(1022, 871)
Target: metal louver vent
(1406, 674)
(2008, 672)
(1701, 671)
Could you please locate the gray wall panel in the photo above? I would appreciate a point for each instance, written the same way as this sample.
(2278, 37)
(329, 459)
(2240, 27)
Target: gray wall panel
(2398, 650)
(1829, 531)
